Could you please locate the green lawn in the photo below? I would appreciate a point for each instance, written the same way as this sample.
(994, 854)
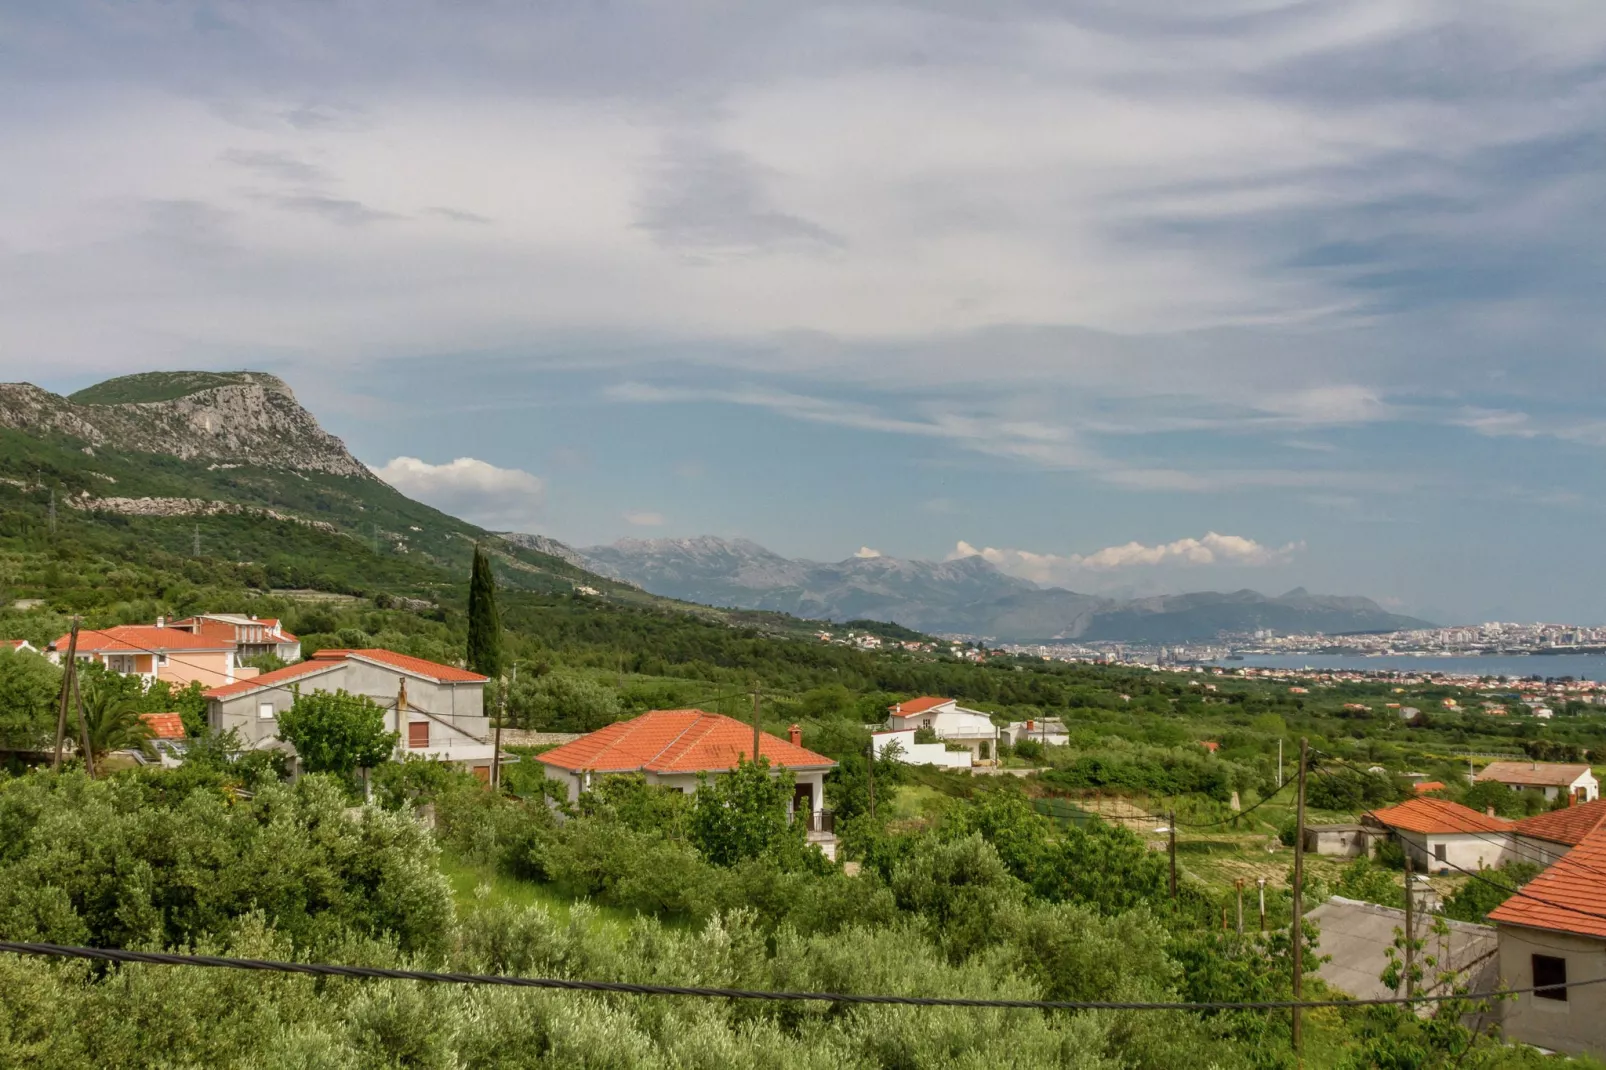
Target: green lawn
(468, 880)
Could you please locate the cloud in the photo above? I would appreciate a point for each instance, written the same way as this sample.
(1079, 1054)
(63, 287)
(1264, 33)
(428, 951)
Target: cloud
(342, 210)
(866, 552)
(1212, 549)
(645, 519)
(497, 498)
(1500, 423)
(277, 164)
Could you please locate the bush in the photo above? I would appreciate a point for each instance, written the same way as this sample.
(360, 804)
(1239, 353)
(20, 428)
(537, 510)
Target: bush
(561, 702)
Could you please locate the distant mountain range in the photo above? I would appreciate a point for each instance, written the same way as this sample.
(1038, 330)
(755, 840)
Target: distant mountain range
(967, 596)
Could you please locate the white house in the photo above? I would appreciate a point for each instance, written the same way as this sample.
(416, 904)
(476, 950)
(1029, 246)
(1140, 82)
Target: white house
(1551, 778)
(674, 747)
(437, 710)
(911, 753)
(1444, 836)
(1553, 932)
(951, 722)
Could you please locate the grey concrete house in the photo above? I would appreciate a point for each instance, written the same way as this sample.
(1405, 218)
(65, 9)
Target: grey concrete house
(437, 710)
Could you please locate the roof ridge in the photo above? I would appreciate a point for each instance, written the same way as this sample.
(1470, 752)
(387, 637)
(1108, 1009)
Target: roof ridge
(681, 735)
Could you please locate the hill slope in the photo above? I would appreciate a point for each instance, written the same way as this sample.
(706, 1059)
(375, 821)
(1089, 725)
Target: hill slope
(967, 596)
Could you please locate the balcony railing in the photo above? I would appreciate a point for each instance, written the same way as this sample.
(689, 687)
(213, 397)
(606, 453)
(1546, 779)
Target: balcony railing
(820, 822)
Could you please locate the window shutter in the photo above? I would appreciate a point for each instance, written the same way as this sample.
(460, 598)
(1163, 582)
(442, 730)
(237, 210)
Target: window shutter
(417, 734)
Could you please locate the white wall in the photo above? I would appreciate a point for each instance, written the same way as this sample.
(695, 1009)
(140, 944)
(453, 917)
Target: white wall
(1577, 1025)
(1467, 851)
(912, 753)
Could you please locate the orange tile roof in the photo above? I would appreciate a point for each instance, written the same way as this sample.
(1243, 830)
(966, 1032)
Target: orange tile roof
(433, 670)
(1568, 826)
(1438, 815)
(1572, 891)
(270, 679)
(918, 705)
(164, 725)
(676, 741)
(1425, 786)
(138, 639)
(1533, 774)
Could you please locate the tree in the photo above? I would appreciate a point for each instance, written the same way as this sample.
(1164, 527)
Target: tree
(111, 719)
(484, 624)
(562, 702)
(30, 687)
(336, 732)
(745, 813)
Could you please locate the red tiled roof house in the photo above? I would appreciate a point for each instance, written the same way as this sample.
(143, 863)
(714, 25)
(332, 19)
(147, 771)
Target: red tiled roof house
(951, 722)
(1549, 778)
(1443, 835)
(157, 652)
(438, 710)
(1544, 838)
(1553, 932)
(671, 747)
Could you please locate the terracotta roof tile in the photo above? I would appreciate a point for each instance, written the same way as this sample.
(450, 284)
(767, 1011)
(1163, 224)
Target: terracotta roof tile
(1425, 786)
(1567, 826)
(1535, 774)
(1573, 893)
(918, 705)
(270, 679)
(1438, 815)
(433, 670)
(139, 639)
(164, 725)
(676, 741)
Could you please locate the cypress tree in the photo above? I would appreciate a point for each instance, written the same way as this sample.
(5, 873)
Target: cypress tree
(484, 624)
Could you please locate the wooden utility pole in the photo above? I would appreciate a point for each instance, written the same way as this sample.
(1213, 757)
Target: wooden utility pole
(496, 738)
(870, 773)
(1299, 897)
(755, 722)
(1410, 952)
(401, 714)
(1171, 828)
(69, 670)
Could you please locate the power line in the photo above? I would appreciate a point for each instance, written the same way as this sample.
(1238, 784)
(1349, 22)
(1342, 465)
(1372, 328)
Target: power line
(321, 969)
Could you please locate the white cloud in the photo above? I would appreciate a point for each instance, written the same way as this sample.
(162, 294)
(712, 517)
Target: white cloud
(480, 492)
(866, 552)
(645, 519)
(1212, 549)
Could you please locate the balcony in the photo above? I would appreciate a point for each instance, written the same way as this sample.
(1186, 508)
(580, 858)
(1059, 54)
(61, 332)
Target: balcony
(817, 823)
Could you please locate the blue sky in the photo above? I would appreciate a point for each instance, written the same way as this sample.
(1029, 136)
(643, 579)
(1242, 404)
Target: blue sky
(1130, 297)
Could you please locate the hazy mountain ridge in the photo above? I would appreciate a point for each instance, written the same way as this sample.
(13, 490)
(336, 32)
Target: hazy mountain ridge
(967, 595)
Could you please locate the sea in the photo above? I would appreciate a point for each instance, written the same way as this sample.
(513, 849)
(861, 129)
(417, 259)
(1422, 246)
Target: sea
(1578, 666)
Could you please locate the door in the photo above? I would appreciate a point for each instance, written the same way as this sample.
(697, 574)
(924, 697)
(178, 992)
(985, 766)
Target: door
(803, 799)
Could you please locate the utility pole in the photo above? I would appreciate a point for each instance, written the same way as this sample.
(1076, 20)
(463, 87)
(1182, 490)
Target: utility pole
(401, 712)
(1410, 952)
(755, 721)
(1171, 828)
(1262, 882)
(496, 739)
(1238, 886)
(69, 670)
(1299, 898)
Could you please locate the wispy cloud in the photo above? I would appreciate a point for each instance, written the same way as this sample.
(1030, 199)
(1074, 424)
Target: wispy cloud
(1212, 549)
(644, 519)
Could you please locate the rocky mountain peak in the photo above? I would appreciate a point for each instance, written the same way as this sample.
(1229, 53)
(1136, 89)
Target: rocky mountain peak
(229, 418)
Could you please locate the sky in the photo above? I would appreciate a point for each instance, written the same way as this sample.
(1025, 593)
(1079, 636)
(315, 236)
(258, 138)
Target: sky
(1128, 296)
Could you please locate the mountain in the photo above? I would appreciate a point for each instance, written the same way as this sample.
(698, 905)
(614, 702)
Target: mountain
(966, 596)
(232, 462)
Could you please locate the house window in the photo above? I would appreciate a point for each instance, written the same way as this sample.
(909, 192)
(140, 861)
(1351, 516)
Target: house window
(417, 734)
(123, 663)
(1441, 851)
(1550, 970)
(264, 711)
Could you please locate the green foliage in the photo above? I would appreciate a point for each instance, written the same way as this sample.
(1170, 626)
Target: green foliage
(1184, 770)
(30, 690)
(398, 785)
(1479, 895)
(745, 813)
(1505, 802)
(561, 702)
(484, 622)
(1350, 790)
(336, 732)
(111, 719)
(1365, 880)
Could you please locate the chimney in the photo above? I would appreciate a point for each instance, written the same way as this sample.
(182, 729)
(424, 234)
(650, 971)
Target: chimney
(1488, 811)
(795, 735)
(161, 622)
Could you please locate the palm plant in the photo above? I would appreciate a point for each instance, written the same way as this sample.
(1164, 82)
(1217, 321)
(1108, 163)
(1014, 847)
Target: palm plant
(111, 720)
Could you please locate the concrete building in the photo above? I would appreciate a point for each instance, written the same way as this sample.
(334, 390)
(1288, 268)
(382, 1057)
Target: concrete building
(951, 722)
(675, 747)
(1545, 838)
(1553, 932)
(438, 710)
(1343, 841)
(1553, 779)
(911, 753)
(1356, 937)
(1444, 836)
(158, 653)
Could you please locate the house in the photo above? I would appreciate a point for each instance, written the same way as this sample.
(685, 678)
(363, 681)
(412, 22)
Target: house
(252, 637)
(1344, 841)
(438, 710)
(1553, 932)
(1423, 787)
(1442, 835)
(950, 721)
(158, 653)
(1045, 730)
(1544, 838)
(911, 753)
(18, 645)
(1550, 778)
(168, 738)
(675, 747)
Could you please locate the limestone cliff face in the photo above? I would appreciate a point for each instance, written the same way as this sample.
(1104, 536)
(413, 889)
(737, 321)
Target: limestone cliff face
(246, 418)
